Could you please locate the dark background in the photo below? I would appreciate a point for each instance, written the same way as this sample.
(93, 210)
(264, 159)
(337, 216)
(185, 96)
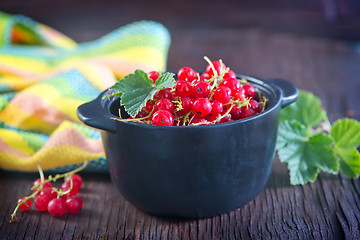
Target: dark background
(85, 20)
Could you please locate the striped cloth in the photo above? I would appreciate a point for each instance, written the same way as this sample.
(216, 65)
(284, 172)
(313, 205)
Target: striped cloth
(45, 76)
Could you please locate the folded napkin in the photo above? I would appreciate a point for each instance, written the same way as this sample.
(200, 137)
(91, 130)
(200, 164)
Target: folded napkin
(45, 76)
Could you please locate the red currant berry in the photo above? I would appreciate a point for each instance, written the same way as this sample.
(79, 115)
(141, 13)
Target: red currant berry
(149, 105)
(234, 109)
(36, 184)
(186, 104)
(202, 89)
(201, 107)
(163, 117)
(247, 112)
(41, 202)
(164, 104)
(211, 118)
(154, 75)
(236, 115)
(231, 83)
(183, 88)
(216, 107)
(66, 186)
(239, 94)
(26, 205)
(249, 91)
(222, 94)
(57, 207)
(164, 93)
(49, 192)
(142, 113)
(254, 105)
(74, 204)
(186, 74)
(219, 67)
(205, 76)
(197, 120)
(225, 118)
(76, 179)
(229, 74)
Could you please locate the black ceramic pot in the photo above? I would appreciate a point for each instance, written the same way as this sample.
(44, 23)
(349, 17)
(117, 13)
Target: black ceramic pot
(191, 171)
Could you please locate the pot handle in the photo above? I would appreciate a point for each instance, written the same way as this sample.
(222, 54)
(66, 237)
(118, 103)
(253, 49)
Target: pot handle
(289, 90)
(96, 114)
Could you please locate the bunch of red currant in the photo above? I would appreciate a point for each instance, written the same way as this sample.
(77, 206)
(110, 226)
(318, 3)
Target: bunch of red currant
(48, 198)
(215, 96)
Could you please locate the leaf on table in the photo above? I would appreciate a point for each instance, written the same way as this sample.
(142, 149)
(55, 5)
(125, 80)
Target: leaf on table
(137, 88)
(346, 134)
(307, 110)
(305, 154)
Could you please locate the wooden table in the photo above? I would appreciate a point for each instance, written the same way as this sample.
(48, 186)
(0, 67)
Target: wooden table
(326, 209)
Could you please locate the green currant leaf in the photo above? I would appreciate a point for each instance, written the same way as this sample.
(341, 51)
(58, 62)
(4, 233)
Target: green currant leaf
(139, 79)
(307, 110)
(346, 134)
(306, 154)
(137, 88)
(165, 80)
(349, 161)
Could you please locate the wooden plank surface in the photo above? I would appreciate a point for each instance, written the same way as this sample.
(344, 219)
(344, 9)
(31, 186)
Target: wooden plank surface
(326, 209)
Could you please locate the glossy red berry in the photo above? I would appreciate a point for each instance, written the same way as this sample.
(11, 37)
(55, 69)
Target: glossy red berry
(41, 202)
(197, 120)
(154, 75)
(183, 88)
(247, 112)
(164, 93)
(186, 104)
(222, 94)
(66, 186)
(211, 118)
(239, 94)
(201, 107)
(186, 74)
(254, 105)
(36, 184)
(76, 179)
(149, 105)
(229, 74)
(164, 104)
(236, 115)
(26, 205)
(49, 192)
(57, 207)
(225, 118)
(219, 67)
(216, 107)
(201, 89)
(249, 91)
(204, 76)
(231, 83)
(234, 109)
(163, 117)
(74, 204)
(142, 113)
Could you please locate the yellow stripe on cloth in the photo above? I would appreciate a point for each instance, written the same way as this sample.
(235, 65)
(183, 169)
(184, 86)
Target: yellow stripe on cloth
(66, 146)
(45, 76)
